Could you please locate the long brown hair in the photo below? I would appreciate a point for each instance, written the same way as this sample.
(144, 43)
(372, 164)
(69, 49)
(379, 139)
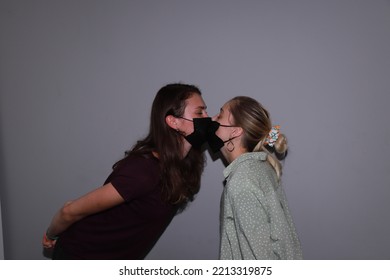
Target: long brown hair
(180, 177)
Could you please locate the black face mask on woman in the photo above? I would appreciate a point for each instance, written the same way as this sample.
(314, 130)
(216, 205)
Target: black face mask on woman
(204, 131)
(201, 131)
(213, 140)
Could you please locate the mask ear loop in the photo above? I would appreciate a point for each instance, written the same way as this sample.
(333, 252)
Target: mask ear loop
(229, 141)
(178, 131)
(185, 119)
(225, 125)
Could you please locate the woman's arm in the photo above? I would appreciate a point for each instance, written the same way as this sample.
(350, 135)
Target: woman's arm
(96, 201)
(253, 228)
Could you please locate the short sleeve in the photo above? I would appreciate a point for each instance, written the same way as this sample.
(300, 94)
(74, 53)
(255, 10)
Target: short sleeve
(135, 177)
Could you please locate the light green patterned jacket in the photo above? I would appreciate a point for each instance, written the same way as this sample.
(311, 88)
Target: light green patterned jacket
(255, 219)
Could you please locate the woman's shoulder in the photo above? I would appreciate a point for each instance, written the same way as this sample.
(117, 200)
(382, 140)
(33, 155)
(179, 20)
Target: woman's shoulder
(251, 162)
(254, 173)
(135, 175)
(139, 161)
(138, 167)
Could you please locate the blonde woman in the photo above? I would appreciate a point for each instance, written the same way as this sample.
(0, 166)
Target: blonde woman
(255, 219)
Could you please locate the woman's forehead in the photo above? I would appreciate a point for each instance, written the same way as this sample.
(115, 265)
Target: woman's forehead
(225, 108)
(195, 102)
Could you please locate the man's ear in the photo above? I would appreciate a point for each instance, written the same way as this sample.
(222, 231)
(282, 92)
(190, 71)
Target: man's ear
(171, 121)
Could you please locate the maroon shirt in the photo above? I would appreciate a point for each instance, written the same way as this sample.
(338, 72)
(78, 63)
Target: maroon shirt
(129, 230)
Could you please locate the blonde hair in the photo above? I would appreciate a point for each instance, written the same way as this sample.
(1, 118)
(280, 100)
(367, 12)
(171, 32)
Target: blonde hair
(255, 120)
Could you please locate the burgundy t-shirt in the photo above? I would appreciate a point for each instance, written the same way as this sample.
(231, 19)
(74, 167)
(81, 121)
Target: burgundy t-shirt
(129, 230)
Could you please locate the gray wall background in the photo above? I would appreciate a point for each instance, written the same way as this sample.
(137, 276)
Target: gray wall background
(1, 238)
(77, 79)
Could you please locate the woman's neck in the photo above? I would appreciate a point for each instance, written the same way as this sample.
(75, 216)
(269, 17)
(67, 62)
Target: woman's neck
(231, 156)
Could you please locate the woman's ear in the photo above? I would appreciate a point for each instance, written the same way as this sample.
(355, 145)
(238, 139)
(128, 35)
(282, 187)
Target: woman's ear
(171, 121)
(237, 131)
